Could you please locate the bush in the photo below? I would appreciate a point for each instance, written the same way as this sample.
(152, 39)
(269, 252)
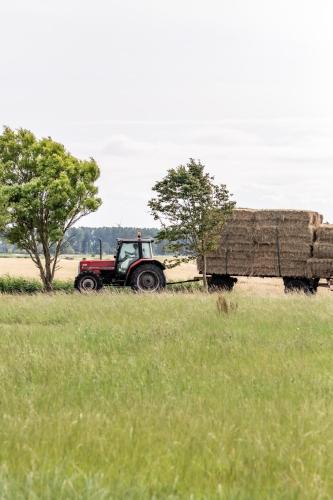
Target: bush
(12, 285)
(63, 286)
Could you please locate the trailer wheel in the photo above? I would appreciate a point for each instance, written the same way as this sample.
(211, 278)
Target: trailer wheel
(315, 284)
(221, 282)
(88, 282)
(305, 285)
(147, 278)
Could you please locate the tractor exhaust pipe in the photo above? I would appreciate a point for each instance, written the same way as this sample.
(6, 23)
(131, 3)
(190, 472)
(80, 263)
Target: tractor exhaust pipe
(100, 249)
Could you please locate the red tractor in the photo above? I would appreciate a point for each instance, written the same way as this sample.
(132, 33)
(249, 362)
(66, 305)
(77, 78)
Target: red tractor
(133, 265)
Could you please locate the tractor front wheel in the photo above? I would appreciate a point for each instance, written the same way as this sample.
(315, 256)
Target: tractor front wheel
(147, 278)
(88, 282)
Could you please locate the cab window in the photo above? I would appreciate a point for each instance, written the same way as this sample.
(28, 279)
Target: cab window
(146, 250)
(129, 253)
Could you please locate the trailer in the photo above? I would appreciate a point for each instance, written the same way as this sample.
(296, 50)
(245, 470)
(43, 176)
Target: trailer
(294, 245)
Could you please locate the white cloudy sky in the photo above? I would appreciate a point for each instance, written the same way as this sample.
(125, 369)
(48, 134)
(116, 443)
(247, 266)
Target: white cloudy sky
(246, 86)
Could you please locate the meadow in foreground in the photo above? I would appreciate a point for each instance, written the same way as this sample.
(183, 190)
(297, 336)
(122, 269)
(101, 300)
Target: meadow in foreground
(128, 396)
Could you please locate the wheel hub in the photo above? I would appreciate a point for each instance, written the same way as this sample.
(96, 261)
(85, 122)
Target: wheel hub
(148, 281)
(88, 284)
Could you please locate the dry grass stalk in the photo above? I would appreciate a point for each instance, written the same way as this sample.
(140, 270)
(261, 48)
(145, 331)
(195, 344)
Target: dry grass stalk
(225, 306)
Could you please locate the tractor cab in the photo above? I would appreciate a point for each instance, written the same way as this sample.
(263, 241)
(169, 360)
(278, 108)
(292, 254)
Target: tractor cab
(130, 251)
(133, 265)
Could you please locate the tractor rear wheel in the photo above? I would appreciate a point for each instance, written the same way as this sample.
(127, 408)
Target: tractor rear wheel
(88, 282)
(147, 278)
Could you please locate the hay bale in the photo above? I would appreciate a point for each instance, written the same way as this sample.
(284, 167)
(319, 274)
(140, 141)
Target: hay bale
(288, 217)
(275, 216)
(323, 250)
(246, 247)
(287, 234)
(250, 247)
(248, 244)
(237, 230)
(320, 268)
(324, 233)
(241, 215)
(294, 270)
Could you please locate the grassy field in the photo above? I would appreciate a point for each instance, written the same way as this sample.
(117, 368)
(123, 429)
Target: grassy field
(126, 396)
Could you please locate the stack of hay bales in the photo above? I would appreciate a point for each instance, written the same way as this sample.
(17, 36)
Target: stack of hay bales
(265, 243)
(321, 265)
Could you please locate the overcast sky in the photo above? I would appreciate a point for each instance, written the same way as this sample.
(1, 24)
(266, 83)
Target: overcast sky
(246, 86)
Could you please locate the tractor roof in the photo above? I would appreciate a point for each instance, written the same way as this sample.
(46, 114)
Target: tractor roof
(135, 240)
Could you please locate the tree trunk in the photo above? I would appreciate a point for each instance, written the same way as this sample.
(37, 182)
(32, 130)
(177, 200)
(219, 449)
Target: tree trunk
(48, 286)
(204, 272)
(48, 267)
(45, 275)
(48, 275)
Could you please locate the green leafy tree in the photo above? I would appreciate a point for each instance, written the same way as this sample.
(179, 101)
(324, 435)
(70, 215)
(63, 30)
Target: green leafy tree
(44, 190)
(191, 210)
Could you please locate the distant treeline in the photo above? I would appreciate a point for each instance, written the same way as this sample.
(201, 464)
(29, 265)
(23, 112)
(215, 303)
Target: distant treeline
(85, 240)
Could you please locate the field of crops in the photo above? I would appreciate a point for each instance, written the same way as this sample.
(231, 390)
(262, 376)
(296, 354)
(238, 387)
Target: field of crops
(125, 396)
(68, 268)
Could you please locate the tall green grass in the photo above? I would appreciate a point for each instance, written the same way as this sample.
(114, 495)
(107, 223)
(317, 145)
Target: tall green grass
(130, 396)
(19, 285)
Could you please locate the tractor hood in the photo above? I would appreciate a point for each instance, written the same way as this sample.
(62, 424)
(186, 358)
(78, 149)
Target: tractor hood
(97, 265)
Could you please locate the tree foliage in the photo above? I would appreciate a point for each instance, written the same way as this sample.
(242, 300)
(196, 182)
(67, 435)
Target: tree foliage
(44, 190)
(191, 210)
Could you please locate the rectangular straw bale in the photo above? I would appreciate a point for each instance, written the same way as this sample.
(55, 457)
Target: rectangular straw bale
(243, 269)
(286, 234)
(236, 242)
(324, 233)
(288, 252)
(298, 270)
(287, 216)
(212, 265)
(221, 266)
(323, 250)
(265, 271)
(296, 239)
(240, 269)
(271, 260)
(320, 268)
(238, 246)
(284, 256)
(295, 246)
(241, 215)
(297, 232)
(232, 266)
(236, 270)
(222, 253)
(241, 230)
(250, 247)
(265, 234)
